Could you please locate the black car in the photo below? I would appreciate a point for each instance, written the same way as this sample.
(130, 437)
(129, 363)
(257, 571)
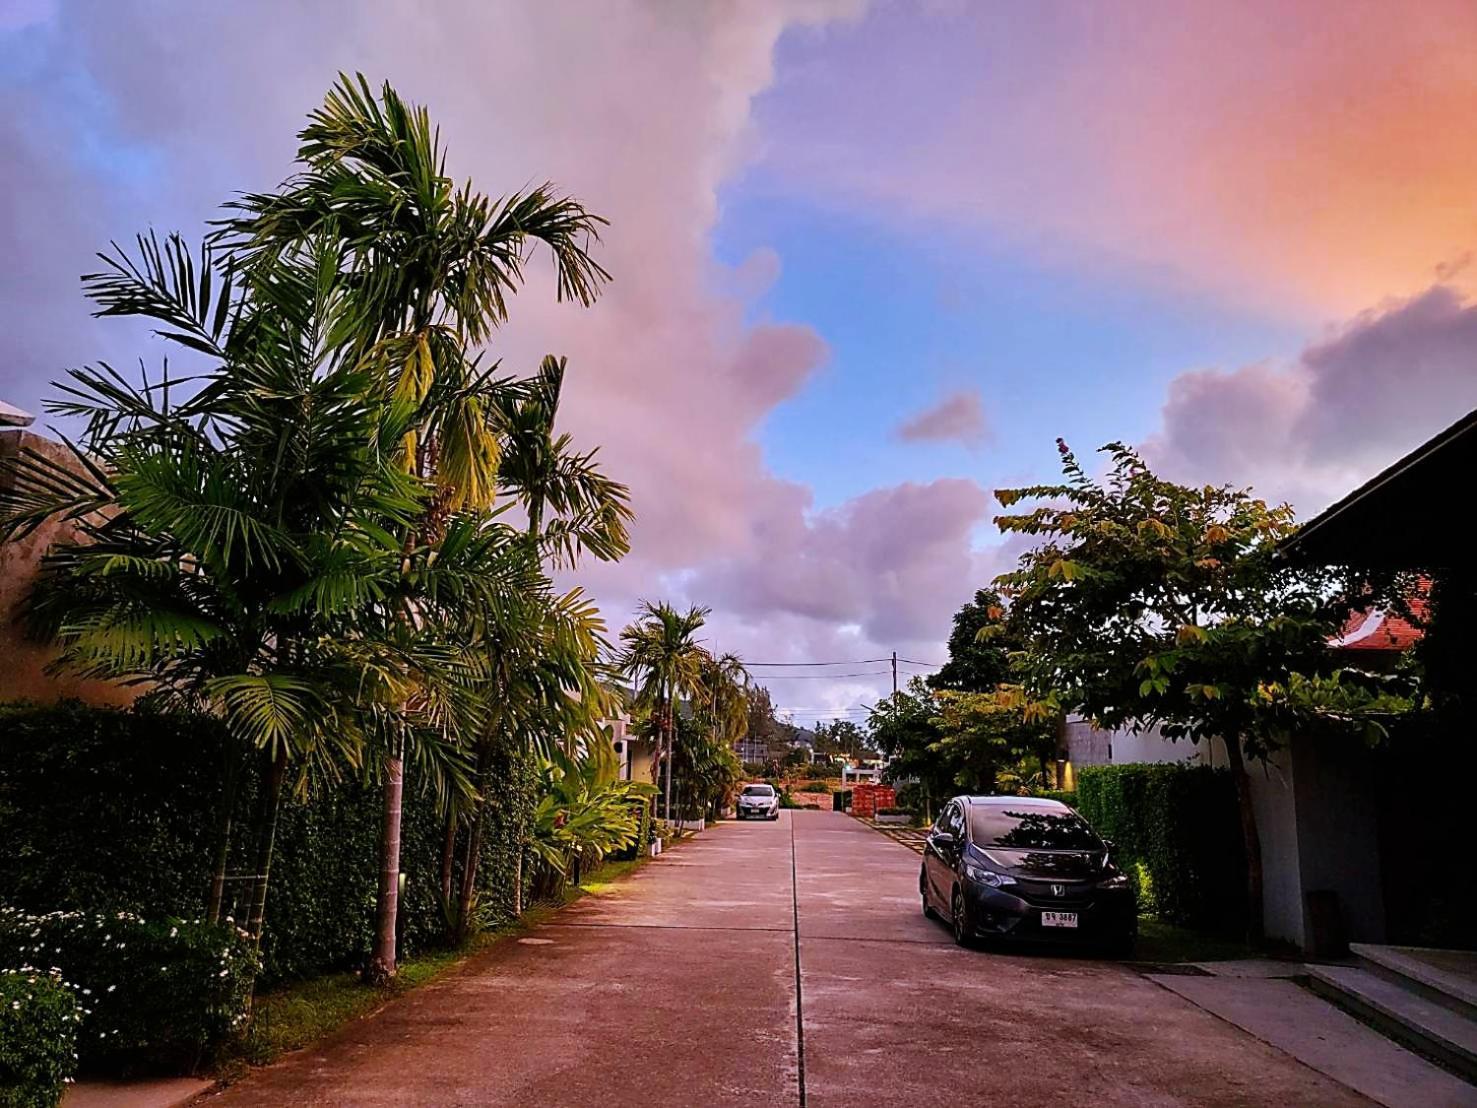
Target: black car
(1025, 868)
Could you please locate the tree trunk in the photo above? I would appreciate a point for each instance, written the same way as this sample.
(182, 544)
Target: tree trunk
(223, 834)
(469, 874)
(671, 736)
(382, 960)
(266, 834)
(448, 856)
(1250, 838)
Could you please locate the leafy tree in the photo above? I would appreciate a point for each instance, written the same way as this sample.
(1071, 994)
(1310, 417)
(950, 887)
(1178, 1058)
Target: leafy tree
(905, 728)
(990, 742)
(979, 646)
(1147, 602)
(762, 725)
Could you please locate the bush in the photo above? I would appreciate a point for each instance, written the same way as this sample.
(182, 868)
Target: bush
(104, 810)
(38, 1038)
(154, 995)
(1176, 832)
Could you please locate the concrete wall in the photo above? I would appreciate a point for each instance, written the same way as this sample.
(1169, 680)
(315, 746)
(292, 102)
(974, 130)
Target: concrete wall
(1338, 830)
(23, 675)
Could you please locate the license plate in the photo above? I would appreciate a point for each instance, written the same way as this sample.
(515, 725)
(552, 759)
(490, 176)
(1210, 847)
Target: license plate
(1058, 919)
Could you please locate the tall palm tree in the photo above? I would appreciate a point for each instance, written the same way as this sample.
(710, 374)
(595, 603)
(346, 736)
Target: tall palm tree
(662, 654)
(433, 265)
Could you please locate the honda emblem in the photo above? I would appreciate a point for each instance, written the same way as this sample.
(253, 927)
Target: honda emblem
(1058, 890)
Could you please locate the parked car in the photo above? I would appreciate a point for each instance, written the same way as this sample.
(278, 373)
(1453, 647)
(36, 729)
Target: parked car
(759, 802)
(1014, 867)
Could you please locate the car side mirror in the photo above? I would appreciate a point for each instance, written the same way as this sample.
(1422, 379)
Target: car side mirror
(944, 838)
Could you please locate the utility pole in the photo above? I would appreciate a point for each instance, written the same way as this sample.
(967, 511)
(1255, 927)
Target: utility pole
(894, 673)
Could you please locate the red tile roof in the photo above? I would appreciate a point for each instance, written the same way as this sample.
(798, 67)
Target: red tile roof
(1382, 631)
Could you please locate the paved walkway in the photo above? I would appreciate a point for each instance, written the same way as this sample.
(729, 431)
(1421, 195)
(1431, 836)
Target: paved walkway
(782, 964)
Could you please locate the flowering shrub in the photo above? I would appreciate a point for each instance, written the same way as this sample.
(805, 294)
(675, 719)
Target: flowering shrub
(154, 994)
(38, 1037)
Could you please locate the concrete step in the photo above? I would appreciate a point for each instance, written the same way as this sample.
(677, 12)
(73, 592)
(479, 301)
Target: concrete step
(1448, 977)
(1405, 1016)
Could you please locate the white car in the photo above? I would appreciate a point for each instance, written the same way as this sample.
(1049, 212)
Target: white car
(759, 802)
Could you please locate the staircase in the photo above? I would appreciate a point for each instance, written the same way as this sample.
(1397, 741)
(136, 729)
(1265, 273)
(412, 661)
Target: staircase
(1423, 999)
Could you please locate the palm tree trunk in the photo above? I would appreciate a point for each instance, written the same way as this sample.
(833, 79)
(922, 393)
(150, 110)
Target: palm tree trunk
(448, 856)
(266, 834)
(382, 960)
(1251, 839)
(223, 833)
(671, 735)
(469, 874)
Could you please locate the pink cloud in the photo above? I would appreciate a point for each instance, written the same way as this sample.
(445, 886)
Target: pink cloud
(1305, 158)
(649, 115)
(958, 417)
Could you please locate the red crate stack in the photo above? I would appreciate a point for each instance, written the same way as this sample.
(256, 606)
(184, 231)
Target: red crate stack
(867, 799)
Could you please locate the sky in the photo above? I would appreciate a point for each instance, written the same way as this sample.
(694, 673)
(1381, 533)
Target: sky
(870, 258)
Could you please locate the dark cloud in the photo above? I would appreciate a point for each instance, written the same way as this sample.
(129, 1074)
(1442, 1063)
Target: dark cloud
(1350, 404)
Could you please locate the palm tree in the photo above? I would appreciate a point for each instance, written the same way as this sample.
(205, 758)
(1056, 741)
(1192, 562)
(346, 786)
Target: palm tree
(227, 540)
(572, 507)
(433, 265)
(663, 656)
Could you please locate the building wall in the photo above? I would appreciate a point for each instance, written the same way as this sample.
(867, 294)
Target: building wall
(1315, 811)
(24, 676)
(1338, 832)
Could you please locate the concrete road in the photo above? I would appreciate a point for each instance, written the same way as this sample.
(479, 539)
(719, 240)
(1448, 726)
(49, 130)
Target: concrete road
(782, 964)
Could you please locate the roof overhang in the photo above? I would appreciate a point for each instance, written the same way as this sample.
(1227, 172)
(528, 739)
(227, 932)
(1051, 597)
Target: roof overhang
(1404, 518)
(11, 416)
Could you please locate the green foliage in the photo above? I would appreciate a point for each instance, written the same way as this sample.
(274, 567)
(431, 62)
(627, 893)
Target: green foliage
(1146, 601)
(1176, 832)
(154, 994)
(979, 647)
(107, 810)
(706, 773)
(989, 742)
(585, 809)
(38, 1038)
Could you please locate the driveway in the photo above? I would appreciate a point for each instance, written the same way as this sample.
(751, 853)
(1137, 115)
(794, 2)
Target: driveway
(781, 964)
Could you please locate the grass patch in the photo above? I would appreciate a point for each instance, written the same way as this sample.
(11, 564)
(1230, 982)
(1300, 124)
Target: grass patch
(1166, 942)
(300, 1013)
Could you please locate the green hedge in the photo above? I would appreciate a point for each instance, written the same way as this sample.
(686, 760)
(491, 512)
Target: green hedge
(154, 994)
(38, 1036)
(107, 810)
(1176, 832)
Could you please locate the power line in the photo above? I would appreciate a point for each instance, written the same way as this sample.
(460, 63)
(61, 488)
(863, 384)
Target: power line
(855, 662)
(926, 665)
(818, 676)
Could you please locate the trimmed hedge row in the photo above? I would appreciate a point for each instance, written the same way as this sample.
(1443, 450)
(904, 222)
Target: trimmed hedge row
(1176, 832)
(38, 1038)
(107, 810)
(153, 995)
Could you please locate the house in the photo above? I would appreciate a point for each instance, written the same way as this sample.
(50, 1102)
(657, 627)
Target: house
(25, 675)
(1369, 830)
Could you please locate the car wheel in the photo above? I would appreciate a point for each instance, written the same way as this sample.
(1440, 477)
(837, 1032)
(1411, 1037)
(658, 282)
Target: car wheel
(959, 920)
(928, 912)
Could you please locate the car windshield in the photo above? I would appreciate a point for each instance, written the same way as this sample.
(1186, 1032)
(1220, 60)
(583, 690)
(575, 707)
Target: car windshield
(758, 790)
(1030, 829)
